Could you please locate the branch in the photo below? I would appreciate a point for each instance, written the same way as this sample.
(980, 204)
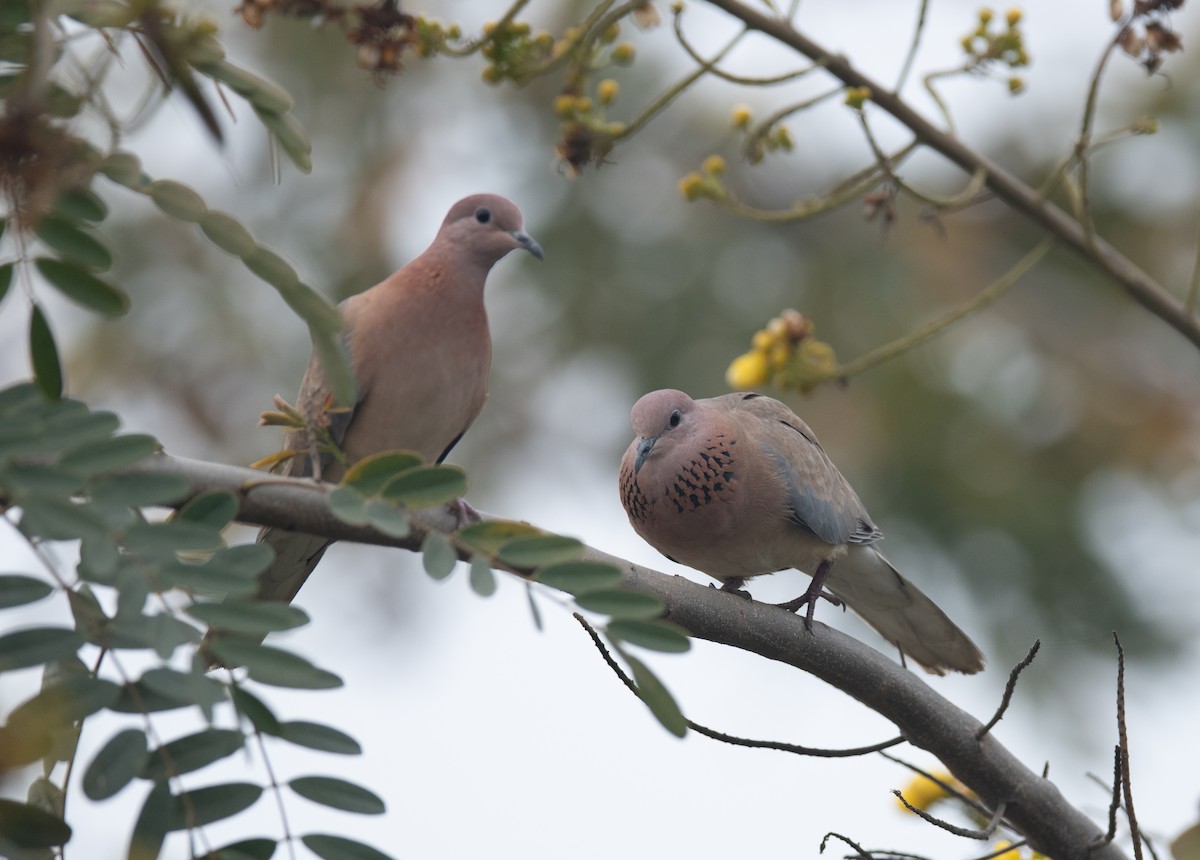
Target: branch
(1032, 804)
(1026, 200)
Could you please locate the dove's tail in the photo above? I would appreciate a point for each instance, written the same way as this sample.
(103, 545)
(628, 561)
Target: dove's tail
(901, 612)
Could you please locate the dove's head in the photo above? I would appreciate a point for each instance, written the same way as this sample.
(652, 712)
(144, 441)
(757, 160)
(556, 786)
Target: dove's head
(485, 227)
(661, 420)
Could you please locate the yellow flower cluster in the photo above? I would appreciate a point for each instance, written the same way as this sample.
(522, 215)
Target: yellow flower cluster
(785, 353)
(1005, 45)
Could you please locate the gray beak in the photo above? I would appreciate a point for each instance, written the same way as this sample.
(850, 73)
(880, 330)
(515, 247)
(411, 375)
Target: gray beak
(643, 451)
(524, 240)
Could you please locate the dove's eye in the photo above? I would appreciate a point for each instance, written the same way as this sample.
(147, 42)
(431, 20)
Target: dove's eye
(483, 214)
(675, 418)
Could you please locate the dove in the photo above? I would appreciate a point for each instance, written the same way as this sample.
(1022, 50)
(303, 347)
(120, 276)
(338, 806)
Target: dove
(738, 486)
(420, 349)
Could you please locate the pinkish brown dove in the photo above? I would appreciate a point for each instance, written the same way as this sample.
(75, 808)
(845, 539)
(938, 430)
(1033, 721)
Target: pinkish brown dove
(738, 486)
(420, 349)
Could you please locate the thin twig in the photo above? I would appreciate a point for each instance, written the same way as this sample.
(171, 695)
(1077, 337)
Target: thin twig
(862, 852)
(965, 832)
(731, 739)
(918, 31)
(1193, 292)
(950, 789)
(989, 294)
(1083, 213)
(1126, 782)
(1113, 805)
(1137, 283)
(1008, 689)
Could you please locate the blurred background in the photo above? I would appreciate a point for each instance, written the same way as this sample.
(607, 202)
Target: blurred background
(1034, 469)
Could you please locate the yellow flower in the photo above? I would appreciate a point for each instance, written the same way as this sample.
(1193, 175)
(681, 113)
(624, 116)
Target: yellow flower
(714, 164)
(923, 792)
(741, 117)
(1011, 854)
(607, 90)
(748, 371)
(1013, 17)
(856, 97)
(692, 186)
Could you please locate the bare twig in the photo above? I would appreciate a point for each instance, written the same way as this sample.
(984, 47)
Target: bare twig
(816, 752)
(987, 295)
(950, 789)
(1026, 200)
(914, 46)
(1126, 782)
(1008, 689)
(965, 832)
(862, 852)
(1115, 803)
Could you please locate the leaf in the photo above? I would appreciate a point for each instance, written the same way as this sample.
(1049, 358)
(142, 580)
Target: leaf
(532, 552)
(82, 287)
(339, 848)
(16, 589)
(483, 581)
(438, 555)
(189, 687)
(369, 475)
(98, 561)
(330, 348)
(260, 92)
(490, 536)
(166, 538)
(138, 491)
(319, 737)
(6, 276)
(349, 505)
(66, 700)
(216, 508)
(177, 200)
(138, 698)
(272, 268)
(388, 519)
(191, 753)
(108, 455)
(253, 709)
(291, 136)
(655, 635)
(150, 830)
(256, 617)
(621, 603)
(426, 486)
(232, 571)
(124, 168)
(43, 355)
(27, 826)
(56, 520)
(81, 204)
(657, 697)
(246, 849)
(115, 766)
(214, 803)
(227, 233)
(73, 243)
(533, 607)
(580, 577)
(274, 666)
(338, 794)
(37, 645)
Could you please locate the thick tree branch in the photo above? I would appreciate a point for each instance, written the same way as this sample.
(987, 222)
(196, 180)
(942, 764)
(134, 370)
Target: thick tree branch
(1032, 804)
(1026, 200)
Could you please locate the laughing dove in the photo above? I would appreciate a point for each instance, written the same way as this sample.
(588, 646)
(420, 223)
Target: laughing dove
(420, 349)
(737, 486)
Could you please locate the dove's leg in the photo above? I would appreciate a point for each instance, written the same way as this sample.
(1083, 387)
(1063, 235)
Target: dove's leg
(816, 590)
